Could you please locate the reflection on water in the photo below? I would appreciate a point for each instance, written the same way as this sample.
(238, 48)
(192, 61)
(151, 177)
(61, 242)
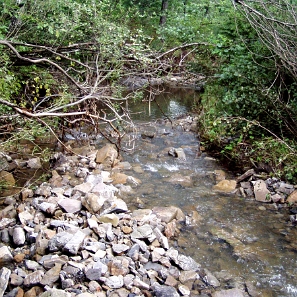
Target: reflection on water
(233, 237)
(171, 103)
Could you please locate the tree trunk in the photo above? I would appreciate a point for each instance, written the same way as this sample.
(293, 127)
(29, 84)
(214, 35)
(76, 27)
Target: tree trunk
(163, 12)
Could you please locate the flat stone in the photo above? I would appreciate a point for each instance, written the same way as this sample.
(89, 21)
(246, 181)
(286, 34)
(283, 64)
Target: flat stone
(188, 263)
(228, 293)
(84, 187)
(109, 218)
(59, 241)
(74, 244)
(70, 205)
(115, 282)
(261, 192)
(52, 275)
(34, 163)
(33, 278)
(119, 248)
(225, 186)
(166, 214)
(165, 291)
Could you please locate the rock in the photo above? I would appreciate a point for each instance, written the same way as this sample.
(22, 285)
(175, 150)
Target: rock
(187, 263)
(119, 178)
(166, 214)
(25, 217)
(228, 293)
(225, 186)
(70, 205)
(179, 179)
(55, 293)
(261, 192)
(84, 188)
(292, 198)
(164, 291)
(26, 193)
(34, 278)
(114, 205)
(184, 290)
(92, 202)
(4, 279)
(109, 218)
(180, 154)
(115, 282)
(34, 163)
(59, 241)
(219, 175)
(107, 155)
(5, 256)
(7, 178)
(119, 248)
(74, 244)
(210, 279)
(52, 275)
(19, 236)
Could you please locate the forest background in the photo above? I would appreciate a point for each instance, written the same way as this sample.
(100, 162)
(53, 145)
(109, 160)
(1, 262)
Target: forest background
(62, 61)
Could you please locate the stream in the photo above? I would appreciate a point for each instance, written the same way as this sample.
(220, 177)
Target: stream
(260, 254)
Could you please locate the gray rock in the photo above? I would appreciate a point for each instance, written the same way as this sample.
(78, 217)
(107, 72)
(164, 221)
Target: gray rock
(93, 202)
(210, 279)
(114, 205)
(5, 256)
(261, 192)
(19, 236)
(59, 241)
(119, 248)
(52, 275)
(34, 278)
(55, 293)
(161, 238)
(16, 280)
(7, 222)
(74, 244)
(164, 291)
(93, 274)
(47, 207)
(32, 265)
(187, 263)
(34, 163)
(114, 282)
(43, 190)
(70, 205)
(4, 279)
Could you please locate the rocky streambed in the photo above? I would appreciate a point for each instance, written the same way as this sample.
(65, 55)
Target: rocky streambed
(75, 235)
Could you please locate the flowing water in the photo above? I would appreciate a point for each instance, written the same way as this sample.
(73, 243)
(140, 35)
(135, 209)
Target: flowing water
(232, 235)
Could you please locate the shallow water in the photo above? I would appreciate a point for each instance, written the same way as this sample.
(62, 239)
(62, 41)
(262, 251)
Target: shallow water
(261, 252)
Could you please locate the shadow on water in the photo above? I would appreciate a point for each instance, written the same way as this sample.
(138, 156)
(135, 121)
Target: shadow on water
(232, 237)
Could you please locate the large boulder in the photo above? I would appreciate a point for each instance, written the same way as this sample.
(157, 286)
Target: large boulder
(107, 155)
